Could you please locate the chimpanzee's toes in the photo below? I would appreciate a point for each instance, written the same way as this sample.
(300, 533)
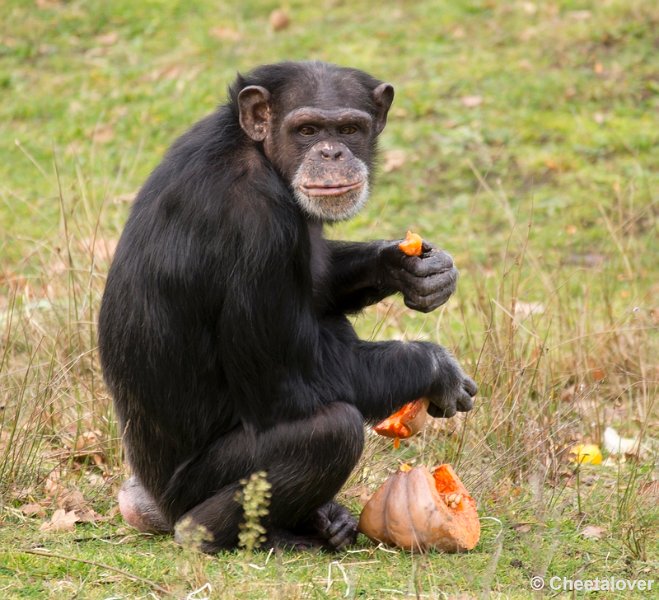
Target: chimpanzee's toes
(336, 525)
(287, 540)
(346, 533)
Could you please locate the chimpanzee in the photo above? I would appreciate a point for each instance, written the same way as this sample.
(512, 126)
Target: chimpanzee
(223, 331)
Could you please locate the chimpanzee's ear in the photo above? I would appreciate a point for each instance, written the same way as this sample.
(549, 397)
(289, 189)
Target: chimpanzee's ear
(254, 105)
(383, 96)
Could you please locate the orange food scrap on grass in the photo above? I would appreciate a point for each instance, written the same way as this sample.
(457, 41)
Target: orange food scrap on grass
(419, 511)
(412, 245)
(405, 422)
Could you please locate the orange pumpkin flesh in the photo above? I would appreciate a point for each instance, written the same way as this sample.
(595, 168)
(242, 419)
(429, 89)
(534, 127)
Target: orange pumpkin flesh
(419, 511)
(412, 245)
(405, 422)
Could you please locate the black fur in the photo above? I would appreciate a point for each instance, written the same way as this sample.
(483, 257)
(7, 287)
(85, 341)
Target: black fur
(222, 331)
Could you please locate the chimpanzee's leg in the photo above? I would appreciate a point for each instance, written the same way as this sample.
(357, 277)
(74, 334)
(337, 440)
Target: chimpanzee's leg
(306, 461)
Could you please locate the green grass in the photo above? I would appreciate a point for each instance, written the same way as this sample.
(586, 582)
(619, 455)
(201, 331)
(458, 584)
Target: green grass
(529, 135)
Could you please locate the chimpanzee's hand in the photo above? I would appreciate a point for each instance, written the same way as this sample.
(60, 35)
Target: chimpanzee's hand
(452, 391)
(426, 281)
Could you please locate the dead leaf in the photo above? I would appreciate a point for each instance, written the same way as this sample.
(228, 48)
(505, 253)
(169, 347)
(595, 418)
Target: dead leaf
(580, 15)
(226, 34)
(103, 134)
(33, 509)
(46, 4)
(169, 73)
(522, 528)
(107, 39)
(73, 500)
(471, 101)
(529, 8)
(592, 532)
(52, 485)
(393, 160)
(650, 490)
(279, 19)
(61, 520)
(553, 164)
(524, 310)
(88, 440)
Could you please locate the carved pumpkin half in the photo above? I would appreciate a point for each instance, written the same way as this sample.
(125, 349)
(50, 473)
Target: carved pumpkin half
(419, 511)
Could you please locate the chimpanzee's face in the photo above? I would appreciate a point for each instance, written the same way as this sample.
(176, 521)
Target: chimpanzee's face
(321, 141)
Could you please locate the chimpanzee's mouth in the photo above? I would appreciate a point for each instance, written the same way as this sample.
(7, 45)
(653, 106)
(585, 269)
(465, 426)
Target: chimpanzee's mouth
(331, 190)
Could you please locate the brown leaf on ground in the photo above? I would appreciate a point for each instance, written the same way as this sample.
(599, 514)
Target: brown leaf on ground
(107, 39)
(61, 520)
(73, 500)
(524, 310)
(52, 486)
(279, 20)
(226, 34)
(102, 134)
(471, 101)
(47, 4)
(649, 490)
(393, 160)
(593, 532)
(33, 509)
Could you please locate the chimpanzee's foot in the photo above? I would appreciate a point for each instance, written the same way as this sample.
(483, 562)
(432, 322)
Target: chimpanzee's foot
(287, 540)
(335, 525)
(139, 509)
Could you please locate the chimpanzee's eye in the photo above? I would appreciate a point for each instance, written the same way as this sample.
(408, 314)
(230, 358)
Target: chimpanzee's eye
(307, 130)
(347, 130)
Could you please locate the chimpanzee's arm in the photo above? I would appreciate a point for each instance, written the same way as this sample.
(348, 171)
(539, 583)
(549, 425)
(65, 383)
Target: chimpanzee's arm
(364, 273)
(284, 363)
(355, 280)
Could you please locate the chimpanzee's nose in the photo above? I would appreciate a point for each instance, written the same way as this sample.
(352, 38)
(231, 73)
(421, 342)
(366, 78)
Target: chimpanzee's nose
(331, 152)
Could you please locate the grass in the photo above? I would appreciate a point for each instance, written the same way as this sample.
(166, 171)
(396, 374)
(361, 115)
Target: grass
(522, 140)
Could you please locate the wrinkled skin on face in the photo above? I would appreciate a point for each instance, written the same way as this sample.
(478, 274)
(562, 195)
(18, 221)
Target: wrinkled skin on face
(321, 142)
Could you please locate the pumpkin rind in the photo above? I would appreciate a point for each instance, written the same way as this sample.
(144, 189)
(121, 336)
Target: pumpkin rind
(407, 511)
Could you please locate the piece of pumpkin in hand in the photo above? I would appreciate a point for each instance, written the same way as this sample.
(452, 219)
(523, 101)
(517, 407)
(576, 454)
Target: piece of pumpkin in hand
(405, 422)
(412, 245)
(419, 511)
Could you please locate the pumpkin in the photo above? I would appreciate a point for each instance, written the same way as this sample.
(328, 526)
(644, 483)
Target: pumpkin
(419, 511)
(405, 422)
(412, 245)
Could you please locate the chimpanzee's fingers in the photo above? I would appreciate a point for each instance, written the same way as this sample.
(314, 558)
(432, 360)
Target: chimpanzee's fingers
(441, 412)
(426, 294)
(346, 536)
(428, 286)
(427, 303)
(427, 247)
(470, 386)
(436, 261)
(465, 402)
